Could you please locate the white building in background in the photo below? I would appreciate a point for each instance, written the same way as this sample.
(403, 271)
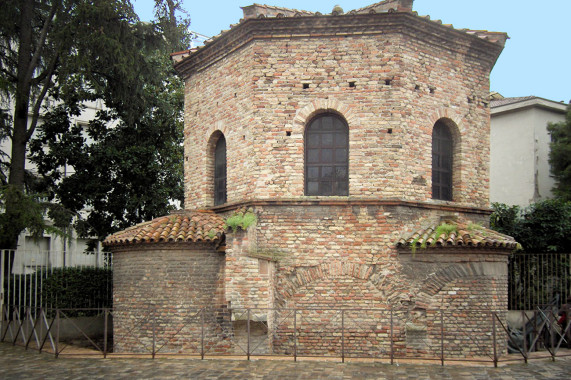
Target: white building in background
(519, 148)
(51, 250)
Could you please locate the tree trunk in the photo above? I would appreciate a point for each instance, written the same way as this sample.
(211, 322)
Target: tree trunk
(20, 130)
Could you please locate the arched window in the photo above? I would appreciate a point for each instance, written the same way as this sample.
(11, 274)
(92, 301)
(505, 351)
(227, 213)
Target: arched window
(327, 156)
(442, 151)
(220, 171)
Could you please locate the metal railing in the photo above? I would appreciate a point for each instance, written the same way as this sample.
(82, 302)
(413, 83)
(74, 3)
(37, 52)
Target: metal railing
(29, 279)
(385, 334)
(535, 278)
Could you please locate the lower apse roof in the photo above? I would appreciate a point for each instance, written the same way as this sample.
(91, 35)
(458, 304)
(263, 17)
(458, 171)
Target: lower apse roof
(180, 226)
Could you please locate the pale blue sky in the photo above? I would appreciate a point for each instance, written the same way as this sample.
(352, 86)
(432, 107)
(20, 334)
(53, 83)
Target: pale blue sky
(536, 59)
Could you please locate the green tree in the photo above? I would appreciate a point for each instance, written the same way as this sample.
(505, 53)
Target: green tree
(173, 21)
(73, 51)
(123, 174)
(87, 48)
(560, 155)
(127, 164)
(542, 227)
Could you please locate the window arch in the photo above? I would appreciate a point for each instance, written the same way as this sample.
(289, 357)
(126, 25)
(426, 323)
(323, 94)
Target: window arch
(220, 171)
(327, 156)
(442, 161)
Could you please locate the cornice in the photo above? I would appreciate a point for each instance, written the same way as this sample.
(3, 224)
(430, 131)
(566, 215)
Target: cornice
(340, 202)
(404, 23)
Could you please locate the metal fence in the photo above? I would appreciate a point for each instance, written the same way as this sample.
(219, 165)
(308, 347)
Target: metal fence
(537, 278)
(379, 334)
(36, 279)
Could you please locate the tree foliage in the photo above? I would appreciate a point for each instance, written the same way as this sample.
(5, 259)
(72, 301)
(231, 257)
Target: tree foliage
(74, 51)
(123, 174)
(542, 227)
(560, 155)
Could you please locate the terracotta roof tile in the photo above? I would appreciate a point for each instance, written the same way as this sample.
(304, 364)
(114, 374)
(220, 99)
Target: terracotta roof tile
(257, 10)
(463, 235)
(181, 226)
(267, 11)
(381, 7)
(506, 101)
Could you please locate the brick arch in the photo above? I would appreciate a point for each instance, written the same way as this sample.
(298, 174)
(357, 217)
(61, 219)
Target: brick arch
(305, 114)
(450, 120)
(304, 276)
(449, 114)
(436, 281)
(219, 126)
(209, 161)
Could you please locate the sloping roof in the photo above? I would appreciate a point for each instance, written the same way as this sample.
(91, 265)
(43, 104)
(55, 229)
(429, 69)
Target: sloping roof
(506, 101)
(182, 226)
(464, 235)
(387, 6)
(180, 55)
(257, 10)
(499, 106)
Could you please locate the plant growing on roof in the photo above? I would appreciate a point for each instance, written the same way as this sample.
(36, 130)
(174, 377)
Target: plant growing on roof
(443, 229)
(477, 227)
(241, 220)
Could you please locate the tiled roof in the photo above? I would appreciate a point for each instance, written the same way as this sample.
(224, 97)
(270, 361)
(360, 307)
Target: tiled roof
(274, 11)
(381, 6)
(180, 55)
(506, 101)
(268, 11)
(181, 226)
(464, 235)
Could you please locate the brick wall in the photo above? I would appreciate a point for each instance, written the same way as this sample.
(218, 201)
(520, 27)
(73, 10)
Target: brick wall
(463, 289)
(391, 76)
(340, 256)
(158, 290)
(397, 78)
(218, 101)
(248, 279)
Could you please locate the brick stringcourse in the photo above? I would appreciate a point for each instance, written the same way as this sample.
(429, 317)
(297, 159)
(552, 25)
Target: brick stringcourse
(352, 202)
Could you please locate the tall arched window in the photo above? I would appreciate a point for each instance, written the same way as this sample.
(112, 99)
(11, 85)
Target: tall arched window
(442, 151)
(220, 171)
(327, 156)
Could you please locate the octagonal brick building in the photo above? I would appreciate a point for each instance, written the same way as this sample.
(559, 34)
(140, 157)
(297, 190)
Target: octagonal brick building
(360, 142)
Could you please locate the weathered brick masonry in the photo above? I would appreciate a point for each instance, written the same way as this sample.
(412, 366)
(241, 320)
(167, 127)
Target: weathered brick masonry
(390, 76)
(161, 287)
(404, 81)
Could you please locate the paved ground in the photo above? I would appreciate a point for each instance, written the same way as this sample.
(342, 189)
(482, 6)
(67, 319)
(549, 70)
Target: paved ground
(17, 363)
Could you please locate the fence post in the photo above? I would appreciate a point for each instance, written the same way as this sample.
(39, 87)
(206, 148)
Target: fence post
(552, 335)
(494, 339)
(442, 337)
(248, 324)
(523, 318)
(392, 339)
(57, 333)
(294, 335)
(154, 316)
(2, 322)
(42, 315)
(105, 332)
(202, 334)
(3, 267)
(342, 336)
(28, 338)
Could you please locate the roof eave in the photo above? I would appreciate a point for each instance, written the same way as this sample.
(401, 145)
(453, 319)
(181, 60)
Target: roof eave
(530, 103)
(292, 27)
